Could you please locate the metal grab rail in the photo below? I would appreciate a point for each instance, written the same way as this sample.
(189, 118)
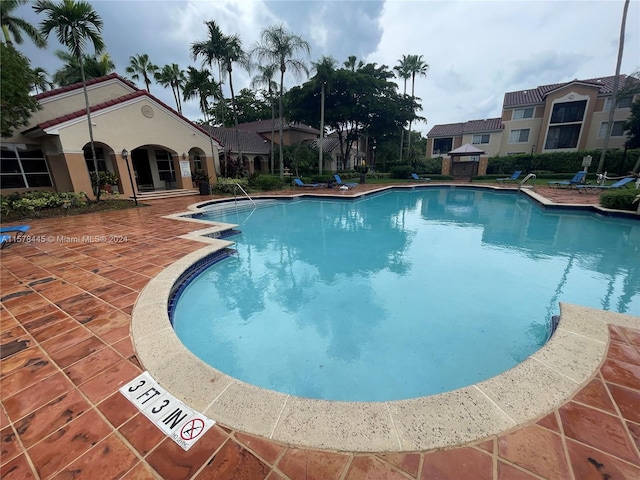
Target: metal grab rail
(524, 180)
(246, 194)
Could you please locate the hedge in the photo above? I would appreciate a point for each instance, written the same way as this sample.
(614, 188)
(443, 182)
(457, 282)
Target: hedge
(620, 199)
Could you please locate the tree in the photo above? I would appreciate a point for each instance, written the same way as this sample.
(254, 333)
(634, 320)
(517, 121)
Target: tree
(616, 80)
(16, 79)
(95, 66)
(417, 67)
(632, 126)
(140, 65)
(324, 74)
(404, 73)
(40, 81)
(278, 46)
(265, 78)
(75, 24)
(200, 85)
(172, 76)
(352, 62)
(14, 26)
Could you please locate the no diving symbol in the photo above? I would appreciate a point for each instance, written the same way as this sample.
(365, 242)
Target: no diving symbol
(192, 429)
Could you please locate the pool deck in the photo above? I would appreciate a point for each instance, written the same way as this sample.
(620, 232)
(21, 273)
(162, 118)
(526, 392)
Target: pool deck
(572, 411)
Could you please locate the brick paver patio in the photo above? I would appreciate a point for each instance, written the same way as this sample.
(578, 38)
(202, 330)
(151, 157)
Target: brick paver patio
(65, 317)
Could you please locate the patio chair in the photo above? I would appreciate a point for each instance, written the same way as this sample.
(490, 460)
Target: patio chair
(17, 230)
(420, 179)
(578, 179)
(512, 178)
(300, 183)
(623, 182)
(340, 183)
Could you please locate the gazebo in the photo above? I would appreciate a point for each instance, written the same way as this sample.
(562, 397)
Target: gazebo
(465, 162)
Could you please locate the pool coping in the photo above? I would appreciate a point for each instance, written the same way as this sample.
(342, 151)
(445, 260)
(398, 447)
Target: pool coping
(544, 381)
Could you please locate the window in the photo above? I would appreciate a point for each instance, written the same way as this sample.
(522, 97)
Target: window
(197, 161)
(481, 138)
(88, 158)
(519, 136)
(24, 169)
(623, 102)
(521, 113)
(565, 136)
(165, 166)
(442, 146)
(617, 131)
(568, 112)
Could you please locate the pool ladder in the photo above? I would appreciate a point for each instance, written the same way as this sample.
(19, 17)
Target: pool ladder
(245, 193)
(527, 178)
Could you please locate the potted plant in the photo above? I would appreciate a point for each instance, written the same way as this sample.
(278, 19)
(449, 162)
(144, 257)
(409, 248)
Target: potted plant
(201, 178)
(104, 180)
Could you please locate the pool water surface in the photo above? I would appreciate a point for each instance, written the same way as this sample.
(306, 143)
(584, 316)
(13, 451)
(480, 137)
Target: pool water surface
(399, 295)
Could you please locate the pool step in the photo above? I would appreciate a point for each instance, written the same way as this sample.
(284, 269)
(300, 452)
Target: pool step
(227, 208)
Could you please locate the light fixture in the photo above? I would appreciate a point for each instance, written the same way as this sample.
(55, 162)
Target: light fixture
(125, 155)
(184, 156)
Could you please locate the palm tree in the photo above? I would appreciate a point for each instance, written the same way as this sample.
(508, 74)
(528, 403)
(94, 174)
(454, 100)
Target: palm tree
(265, 78)
(352, 62)
(14, 26)
(75, 24)
(226, 50)
(172, 76)
(403, 72)
(324, 73)
(616, 81)
(278, 46)
(140, 65)
(40, 81)
(95, 66)
(200, 85)
(417, 66)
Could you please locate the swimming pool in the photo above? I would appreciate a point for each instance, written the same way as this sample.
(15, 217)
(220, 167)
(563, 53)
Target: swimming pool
(325, 295)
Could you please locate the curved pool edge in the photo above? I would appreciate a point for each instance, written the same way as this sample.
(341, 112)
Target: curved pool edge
(544, 381)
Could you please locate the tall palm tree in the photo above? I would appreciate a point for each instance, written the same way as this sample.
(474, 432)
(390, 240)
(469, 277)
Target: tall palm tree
(75, 23)
(211, 48)
(265, 78)
(352, 62)
(95, 66)
(403, 72)
(419, 67)
(324, 72)
(140, 65)
(616, 82)
(199, 84)
(15, 26)
(172, 76)
(278, 46)
(41, 82)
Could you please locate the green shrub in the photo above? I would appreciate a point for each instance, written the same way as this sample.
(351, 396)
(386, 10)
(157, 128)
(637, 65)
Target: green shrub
(266, 182)
(229, 186)
(619, 199)
(401, 172)
(30, 203)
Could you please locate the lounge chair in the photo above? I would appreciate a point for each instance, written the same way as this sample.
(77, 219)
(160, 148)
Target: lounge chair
(340, 183)
(623, 182)
(300, 183)
(578, 179)
(17, 230)
(420, 179)
(512, 178)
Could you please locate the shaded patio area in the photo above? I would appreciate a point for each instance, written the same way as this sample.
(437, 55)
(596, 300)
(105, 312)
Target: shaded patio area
(65, 317)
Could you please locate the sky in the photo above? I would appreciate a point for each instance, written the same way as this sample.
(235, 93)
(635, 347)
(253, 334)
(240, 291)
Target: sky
(477, 50)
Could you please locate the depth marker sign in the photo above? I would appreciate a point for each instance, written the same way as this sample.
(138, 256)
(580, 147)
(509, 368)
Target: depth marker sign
(184, 425)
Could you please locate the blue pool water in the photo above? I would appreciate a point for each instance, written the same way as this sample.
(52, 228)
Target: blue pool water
(402, 294)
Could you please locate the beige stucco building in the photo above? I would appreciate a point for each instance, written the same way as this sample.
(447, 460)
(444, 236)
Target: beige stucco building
(569, 116)
(53, 152)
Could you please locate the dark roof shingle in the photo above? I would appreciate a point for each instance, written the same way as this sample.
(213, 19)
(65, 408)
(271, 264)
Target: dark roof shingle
(461, 128)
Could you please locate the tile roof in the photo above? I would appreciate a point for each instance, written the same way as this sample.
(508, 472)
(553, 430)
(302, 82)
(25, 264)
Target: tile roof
(328, 143)
(262, 126)
(472, 126)
(538, 94)
(76, 86)
(109, 103)
(250, 142)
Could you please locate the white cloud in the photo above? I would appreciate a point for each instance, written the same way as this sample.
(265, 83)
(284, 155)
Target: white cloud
(476, 49)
